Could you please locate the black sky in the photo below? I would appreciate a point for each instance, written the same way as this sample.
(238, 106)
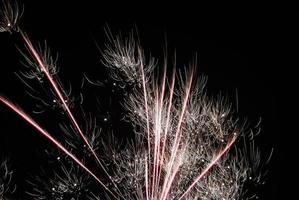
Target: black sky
(248, 47)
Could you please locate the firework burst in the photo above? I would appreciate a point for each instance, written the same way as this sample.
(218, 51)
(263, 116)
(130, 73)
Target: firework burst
(186, 145)
(6, 186)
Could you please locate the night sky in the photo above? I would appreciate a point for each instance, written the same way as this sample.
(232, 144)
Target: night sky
(243, 47)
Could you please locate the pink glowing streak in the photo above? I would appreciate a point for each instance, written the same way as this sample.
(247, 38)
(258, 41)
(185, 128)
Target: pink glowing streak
(147, 120)
(156, 137)
(167, 122)
(210, 165)
(53, 140)
(178, 135)
(169, 183)
(146, 178)
(61, 98)
(157, 162)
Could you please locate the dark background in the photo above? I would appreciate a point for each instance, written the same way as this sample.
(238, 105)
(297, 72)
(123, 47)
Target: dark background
(248, 47)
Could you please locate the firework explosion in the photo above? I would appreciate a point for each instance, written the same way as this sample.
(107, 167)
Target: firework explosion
(186, 145)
